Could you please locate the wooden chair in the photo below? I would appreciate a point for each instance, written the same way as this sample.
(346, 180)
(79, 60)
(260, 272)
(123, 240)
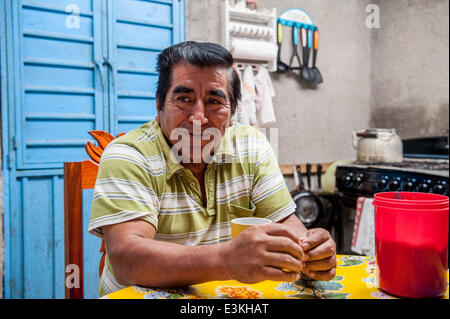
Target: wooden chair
(77, 177)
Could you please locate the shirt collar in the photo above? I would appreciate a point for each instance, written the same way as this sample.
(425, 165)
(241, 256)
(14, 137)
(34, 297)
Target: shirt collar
(172, 165)
(225, 151)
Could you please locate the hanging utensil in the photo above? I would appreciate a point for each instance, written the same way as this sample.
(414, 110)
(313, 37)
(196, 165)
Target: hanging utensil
(309, 207)
(281, 66)
(319, 177)
(300, 178)
(308, 175)
(306, 47)
(294, 51)
(316, 73)
(327, 220)
(296, 180)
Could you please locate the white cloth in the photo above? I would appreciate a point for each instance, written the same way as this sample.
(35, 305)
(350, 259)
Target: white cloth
(363, 241)
(248, 96)
(264, 94)
(240, 116)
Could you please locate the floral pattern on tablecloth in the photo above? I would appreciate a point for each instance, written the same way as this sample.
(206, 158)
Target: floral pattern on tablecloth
(352, 260)
(314, 289)
(156, 293)
(233, 292)
(371, 280)
(381, 295)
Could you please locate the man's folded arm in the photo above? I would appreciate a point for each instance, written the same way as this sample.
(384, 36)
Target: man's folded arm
(138, 259)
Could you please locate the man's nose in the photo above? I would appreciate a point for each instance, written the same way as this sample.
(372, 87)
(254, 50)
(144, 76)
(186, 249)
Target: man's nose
(198, 113)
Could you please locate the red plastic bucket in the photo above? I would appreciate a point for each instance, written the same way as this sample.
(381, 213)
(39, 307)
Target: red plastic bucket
(403, 204)
(411, 197)
(411, 249)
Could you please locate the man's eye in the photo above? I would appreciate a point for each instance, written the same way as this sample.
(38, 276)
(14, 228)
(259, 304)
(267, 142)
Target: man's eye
(183, 99)
(214, 101)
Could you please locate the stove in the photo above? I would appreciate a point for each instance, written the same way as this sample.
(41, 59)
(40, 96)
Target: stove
(366, 179)
(411, 175)
(425, 168)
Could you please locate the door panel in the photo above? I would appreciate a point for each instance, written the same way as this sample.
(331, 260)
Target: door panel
(57, 103)
(39, 254)
(137, 60)
(129, 32)
(40, 18)
(84, 5)
(51, 76)
(91, 247)
(145, 12)
(139, 31)
(58, 60)
(53, 49)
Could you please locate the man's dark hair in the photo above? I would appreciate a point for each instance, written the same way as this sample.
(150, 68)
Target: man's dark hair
(200, 54)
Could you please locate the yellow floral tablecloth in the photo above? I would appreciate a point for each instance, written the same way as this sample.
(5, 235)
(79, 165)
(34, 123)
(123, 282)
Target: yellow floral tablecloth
(355, 279)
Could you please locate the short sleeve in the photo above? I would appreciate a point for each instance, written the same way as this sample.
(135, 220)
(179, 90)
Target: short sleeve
(124, 189)
(270, 194)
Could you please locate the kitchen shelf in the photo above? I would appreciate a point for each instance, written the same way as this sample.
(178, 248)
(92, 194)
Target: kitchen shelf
(286, 169)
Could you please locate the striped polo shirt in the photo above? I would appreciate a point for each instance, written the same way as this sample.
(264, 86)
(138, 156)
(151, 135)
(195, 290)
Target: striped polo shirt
(140, 178)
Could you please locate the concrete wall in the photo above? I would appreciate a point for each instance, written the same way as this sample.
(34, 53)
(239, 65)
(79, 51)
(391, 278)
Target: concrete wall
(314, 125)
(410, 68)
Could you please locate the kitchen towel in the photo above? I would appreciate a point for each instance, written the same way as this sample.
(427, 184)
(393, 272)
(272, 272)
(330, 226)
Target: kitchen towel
(264, 94)
(240, 116)
(363, 240)
(248, 97)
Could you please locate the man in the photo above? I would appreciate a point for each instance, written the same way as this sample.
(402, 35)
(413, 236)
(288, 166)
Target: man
(165, 217)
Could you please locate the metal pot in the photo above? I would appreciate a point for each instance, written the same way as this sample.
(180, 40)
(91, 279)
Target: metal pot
(378, 145)
(309, 207)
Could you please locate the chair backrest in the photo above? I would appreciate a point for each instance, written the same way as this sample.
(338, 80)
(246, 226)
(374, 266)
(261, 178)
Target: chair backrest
(77, 177)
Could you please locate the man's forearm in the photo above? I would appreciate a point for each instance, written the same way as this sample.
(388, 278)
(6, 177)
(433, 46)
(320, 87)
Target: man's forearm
(148, 262)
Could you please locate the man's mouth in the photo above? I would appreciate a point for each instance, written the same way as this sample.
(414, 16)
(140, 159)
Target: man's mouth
(197, 132)
(193, 133)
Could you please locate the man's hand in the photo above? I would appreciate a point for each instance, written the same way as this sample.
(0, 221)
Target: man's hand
(319, 254)
(261, 252)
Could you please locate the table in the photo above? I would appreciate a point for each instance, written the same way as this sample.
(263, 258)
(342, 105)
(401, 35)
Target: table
(355, 279)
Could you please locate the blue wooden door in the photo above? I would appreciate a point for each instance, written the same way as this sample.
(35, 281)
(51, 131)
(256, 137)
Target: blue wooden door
(68, 67)
(138, 30)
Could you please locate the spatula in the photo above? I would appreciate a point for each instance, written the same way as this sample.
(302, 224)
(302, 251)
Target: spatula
(316, 73)
(305, 72)
(281, 66)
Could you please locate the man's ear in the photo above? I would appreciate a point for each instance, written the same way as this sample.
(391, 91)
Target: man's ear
(230, 120)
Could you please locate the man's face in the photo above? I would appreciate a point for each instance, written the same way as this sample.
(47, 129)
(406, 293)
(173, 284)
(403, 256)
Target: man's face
(197, 102)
